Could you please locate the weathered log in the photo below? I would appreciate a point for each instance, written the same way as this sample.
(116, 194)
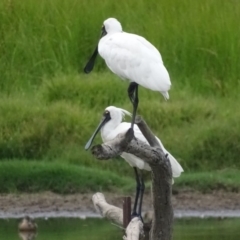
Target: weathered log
(115, 214)
(127, 143)
(146, 131)
(108, 211)
(161, 173)
(134, 229)
(161, 189)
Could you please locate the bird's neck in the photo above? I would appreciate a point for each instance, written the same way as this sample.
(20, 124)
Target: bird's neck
(107, 131)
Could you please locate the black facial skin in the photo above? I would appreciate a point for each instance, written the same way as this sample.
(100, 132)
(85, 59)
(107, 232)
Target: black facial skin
(105, 119)
(104, 32)
(90, 64)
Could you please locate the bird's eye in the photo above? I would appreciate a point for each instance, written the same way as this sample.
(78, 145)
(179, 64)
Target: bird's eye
(106, 113)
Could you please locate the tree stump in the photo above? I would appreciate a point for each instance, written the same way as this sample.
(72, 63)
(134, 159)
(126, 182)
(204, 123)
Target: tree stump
(161, 174)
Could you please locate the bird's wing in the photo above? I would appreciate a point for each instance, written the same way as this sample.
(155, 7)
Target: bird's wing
(124, 126)
(176, 167)
(130, 158)
(131, 43)
(144, 42)
(134, 58)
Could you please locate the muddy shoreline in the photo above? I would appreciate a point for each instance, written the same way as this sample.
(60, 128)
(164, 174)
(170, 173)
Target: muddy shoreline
(186, 204)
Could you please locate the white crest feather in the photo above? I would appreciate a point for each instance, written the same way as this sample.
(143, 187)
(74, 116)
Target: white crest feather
(125, 112)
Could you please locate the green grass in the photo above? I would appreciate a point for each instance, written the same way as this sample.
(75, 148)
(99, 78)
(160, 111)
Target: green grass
(199, 40)
(25, 176)
(34, 176)
(49, 108)
(56, 120)
(226, 179)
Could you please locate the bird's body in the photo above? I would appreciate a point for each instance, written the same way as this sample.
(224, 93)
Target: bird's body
(115, 126)
(133, 58)
(111, 126)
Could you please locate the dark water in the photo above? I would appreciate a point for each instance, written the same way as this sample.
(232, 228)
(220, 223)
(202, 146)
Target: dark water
(99, 229)
(207, 229)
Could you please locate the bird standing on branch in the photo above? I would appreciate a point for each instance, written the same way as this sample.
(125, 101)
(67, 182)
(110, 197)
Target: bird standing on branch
(132, 58)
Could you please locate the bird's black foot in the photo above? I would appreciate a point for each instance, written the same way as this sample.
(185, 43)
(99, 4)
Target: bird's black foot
(133, 96)
(134, 214)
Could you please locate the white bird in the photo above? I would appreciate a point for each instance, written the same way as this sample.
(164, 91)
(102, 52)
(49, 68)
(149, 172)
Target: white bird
(112, 125)
(133, 58)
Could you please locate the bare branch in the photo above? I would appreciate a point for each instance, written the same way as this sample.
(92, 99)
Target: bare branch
(161, 189)
(161, 174)
(117, 146)
(146, 131)
(108, 211)
(134, 229)
(114, 148)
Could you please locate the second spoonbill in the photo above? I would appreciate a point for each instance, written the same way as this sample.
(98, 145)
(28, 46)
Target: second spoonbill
(112, 125)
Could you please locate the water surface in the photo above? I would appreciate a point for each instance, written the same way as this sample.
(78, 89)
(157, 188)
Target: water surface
(99, 229)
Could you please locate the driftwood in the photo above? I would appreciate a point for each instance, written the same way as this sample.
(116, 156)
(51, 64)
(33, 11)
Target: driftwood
(108, 211)
(161, 174)
(134, 230)
(115, 214)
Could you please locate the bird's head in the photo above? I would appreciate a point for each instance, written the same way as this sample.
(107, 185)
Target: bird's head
(111, 115)
(111, 25)
(115, 113)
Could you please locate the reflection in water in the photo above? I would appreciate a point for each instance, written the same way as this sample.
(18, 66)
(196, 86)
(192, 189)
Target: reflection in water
(100, 229)
(27, 229)
(27, 235)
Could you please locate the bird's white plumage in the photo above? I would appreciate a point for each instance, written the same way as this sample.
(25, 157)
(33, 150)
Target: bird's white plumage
(115, 126)
(133, 58)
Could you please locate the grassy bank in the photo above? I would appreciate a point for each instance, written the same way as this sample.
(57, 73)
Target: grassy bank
(226, 179)
(56, 120)
(25, 176)
(49, 109)
(199, 40)
(29, 177)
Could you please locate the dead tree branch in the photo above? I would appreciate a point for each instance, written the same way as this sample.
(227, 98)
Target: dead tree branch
(161, 189)
(108, 211)
(161, 173)
(115, 214)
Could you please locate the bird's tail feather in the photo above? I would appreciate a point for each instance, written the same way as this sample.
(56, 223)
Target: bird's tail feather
(165, 95)
(176, 167)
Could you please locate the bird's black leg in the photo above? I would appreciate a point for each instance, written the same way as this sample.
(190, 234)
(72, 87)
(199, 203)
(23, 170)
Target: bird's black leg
(134, 212)
(142, 188)
(133, 95)
(135, 106)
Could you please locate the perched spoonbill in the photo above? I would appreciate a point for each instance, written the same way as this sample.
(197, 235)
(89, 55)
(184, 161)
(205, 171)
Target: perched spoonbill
(112, 125)
(133, 58)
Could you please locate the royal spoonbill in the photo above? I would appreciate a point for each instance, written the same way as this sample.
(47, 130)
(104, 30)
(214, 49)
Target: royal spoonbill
(112, 125)
(133, 58)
